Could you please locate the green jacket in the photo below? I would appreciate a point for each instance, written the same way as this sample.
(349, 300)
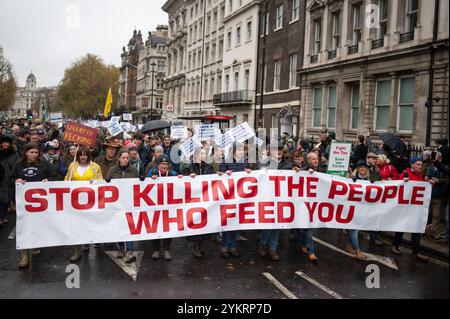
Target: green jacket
(117, 171)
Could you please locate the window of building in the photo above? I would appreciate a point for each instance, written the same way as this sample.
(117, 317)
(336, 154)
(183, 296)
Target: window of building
(383, 18)
(230, 6)
(357, 23)
(247, 79)
(220, 49)
(229, 35)
(277, 75)
(317, 35)
(293, 70)
(382, 104)
(317, 106)
(412, 10)
(227, 83)
(238, 36)
(406, 104)
(249, 30)
(279, 19)
(331, 106)
(236, 81)
(295, 10)
(354, 107)
(336, 30)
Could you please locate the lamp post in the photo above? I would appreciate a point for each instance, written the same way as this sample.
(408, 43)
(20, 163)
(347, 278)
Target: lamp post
(264, 5)
(153, 64)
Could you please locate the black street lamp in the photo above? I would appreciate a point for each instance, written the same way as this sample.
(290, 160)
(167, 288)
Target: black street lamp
(264, 9)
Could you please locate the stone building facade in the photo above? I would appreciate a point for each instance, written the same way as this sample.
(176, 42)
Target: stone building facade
(368, 67)
(151, 73)
(284, 38)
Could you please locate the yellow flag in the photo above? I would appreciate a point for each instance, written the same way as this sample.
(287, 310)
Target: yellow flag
(109, 101)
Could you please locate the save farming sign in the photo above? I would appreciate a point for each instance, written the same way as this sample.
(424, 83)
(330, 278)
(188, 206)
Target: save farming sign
(75, 213)
(80, 134)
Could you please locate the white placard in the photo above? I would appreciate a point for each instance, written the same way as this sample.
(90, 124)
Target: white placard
(115, 129)
(188, 148)
(339, 158)
(205, 132)
(242, 132)
(225, 140)
(115, 119)
(259, 141)
(127, 116)
(178, 132)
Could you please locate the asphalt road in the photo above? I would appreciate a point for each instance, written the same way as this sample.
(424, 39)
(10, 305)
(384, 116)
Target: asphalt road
(336, 275)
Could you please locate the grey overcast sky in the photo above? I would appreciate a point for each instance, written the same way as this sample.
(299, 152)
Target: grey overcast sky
(46, 36)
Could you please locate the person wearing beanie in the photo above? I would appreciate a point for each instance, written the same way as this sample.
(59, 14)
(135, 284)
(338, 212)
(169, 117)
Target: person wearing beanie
(412, 173)
(162, 170)
(135, 158)
(387, 170)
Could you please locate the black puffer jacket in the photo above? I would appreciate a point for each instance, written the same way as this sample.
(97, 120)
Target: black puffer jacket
(8, 158)
(199, 169)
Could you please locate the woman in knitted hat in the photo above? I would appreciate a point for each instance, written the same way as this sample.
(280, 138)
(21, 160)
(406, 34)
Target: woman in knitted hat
(387, 171)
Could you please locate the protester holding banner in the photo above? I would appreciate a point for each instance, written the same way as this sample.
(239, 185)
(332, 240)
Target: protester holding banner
(158, 152)
(269, 237)
(162, 170)
(67, 158)
(305, 239)
(32, 168)
(124, 169)
(82, 169)
(375, 176)
(387, 171)
(234, 163)
(412, 173)
(199, 167)
(361, 172)
(8, 158)
(52, 158)
(110, 158)
(135, 159)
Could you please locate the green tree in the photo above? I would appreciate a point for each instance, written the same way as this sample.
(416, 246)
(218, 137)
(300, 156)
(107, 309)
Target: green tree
(83, 91)
(8, 85)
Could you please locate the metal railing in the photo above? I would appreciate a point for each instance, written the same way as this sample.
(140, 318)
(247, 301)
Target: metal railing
(407, 36)
(353, 49)
(378, 43)
(331, 54)
(234, 97)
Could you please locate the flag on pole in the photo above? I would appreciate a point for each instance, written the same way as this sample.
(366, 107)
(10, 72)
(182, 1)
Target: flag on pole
(109, 101)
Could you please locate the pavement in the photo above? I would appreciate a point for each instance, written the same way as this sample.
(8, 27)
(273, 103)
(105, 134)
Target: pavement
(336, 275)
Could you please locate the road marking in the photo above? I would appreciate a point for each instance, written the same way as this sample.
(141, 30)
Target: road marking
(387, 261)
(277, 284)
(319, 285)
(132, 269)
(13, 233)
(409, 251)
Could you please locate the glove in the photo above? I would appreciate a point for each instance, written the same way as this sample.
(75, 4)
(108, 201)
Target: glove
(108, 180)
(142, 178)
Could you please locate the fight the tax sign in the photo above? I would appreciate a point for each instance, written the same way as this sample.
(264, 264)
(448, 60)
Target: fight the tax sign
(339, 158)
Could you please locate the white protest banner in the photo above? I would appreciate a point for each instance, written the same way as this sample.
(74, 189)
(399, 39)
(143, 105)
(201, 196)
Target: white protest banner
(243, 132)
(115, 119)
(127, 116)
(188, 148)
(56, 117)
(178, 132)
(339, 158)
(75, 213)
(93, 123)
(115, 128)
(205, 132)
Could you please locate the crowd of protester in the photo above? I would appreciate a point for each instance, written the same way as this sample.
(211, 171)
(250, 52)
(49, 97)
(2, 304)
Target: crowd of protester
(36, 152)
